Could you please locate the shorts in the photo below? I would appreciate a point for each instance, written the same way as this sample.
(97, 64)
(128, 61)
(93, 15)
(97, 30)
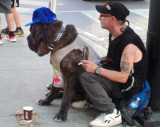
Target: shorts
(15, 3)
(5, 6)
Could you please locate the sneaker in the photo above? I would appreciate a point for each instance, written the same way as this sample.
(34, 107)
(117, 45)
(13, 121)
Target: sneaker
(5, 31)
(11, 38)
(107, 120)
(18, 33)
(82, 105)
(1, 42)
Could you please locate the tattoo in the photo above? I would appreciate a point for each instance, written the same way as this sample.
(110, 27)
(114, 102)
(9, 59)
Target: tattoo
(125, 66)
(125, 56)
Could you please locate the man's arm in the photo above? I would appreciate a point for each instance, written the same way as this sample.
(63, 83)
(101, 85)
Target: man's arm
(129, 56)
(126, 64)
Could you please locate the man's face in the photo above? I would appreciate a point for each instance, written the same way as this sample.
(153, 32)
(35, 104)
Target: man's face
(105, 20)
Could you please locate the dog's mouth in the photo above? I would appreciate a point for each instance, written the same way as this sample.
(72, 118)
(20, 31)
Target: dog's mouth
(42, 53)
(42, 49)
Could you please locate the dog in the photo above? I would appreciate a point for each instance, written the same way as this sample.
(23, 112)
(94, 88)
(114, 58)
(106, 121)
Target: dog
(67, 49)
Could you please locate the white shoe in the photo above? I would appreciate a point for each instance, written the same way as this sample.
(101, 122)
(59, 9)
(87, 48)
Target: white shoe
(10, 38)
(82, 105)
(107, 120)
(1, 42)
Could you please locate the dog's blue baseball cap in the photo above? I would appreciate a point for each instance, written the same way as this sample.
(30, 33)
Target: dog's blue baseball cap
(42, 15)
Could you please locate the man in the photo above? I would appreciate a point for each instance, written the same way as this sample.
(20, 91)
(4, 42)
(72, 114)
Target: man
(5, 7)
(124, 71)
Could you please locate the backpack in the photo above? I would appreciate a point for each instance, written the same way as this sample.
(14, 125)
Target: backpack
(144, 97)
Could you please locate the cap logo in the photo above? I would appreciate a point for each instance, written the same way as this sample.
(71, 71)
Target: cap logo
(108, 7)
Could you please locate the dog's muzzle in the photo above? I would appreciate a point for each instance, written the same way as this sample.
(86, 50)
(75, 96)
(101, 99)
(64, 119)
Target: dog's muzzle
(31, 43)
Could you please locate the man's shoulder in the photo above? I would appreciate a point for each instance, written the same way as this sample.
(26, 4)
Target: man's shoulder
(130, 33)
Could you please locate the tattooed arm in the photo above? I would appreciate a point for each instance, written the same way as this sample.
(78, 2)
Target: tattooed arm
(127, 61)
(130, 55)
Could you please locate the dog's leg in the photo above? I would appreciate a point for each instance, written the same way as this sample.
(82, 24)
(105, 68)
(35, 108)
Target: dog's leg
(54, 93)
(66, 101)
(69, 67)
(49, 86)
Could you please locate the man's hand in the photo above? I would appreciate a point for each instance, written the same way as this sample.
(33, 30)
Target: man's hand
(89, 66)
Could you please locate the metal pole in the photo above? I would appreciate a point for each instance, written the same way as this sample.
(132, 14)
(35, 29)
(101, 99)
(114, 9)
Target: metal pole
(53, 5)
(153, 51)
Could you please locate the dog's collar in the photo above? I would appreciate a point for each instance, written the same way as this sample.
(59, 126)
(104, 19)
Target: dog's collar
(60, 34)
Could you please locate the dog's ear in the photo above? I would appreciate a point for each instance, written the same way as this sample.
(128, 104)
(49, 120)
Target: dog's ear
(37, 31)
(57, 25)
(51, 30)
(36, 36)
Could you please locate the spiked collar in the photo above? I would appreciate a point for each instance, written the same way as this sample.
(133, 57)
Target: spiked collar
(55, 41)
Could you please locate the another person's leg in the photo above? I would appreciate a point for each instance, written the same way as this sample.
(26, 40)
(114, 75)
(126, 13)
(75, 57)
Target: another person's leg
(5, 7)
(1, 42)
(9, 19)
(18, 31)
(16, 17)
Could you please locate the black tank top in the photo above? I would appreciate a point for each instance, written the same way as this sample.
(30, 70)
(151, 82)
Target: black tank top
(138, 74)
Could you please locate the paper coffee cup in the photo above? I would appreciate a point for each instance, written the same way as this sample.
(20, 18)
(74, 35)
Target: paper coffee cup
(28, 113)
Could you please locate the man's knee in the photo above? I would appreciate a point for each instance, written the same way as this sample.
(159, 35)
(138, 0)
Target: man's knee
(83, 76)
(87, 78)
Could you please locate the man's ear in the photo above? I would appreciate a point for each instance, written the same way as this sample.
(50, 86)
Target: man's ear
(113, 18)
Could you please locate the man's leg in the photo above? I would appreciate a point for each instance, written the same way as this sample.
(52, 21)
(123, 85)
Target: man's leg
(95, 91)
(98, 89)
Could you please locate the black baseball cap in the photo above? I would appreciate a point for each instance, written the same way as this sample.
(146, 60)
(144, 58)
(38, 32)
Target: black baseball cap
(115, 9)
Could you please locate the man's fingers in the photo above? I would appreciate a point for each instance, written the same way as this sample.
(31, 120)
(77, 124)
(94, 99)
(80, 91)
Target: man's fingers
(84, 61)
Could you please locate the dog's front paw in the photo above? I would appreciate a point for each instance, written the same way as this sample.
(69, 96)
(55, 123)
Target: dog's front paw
(59, 117)
(43, 102)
